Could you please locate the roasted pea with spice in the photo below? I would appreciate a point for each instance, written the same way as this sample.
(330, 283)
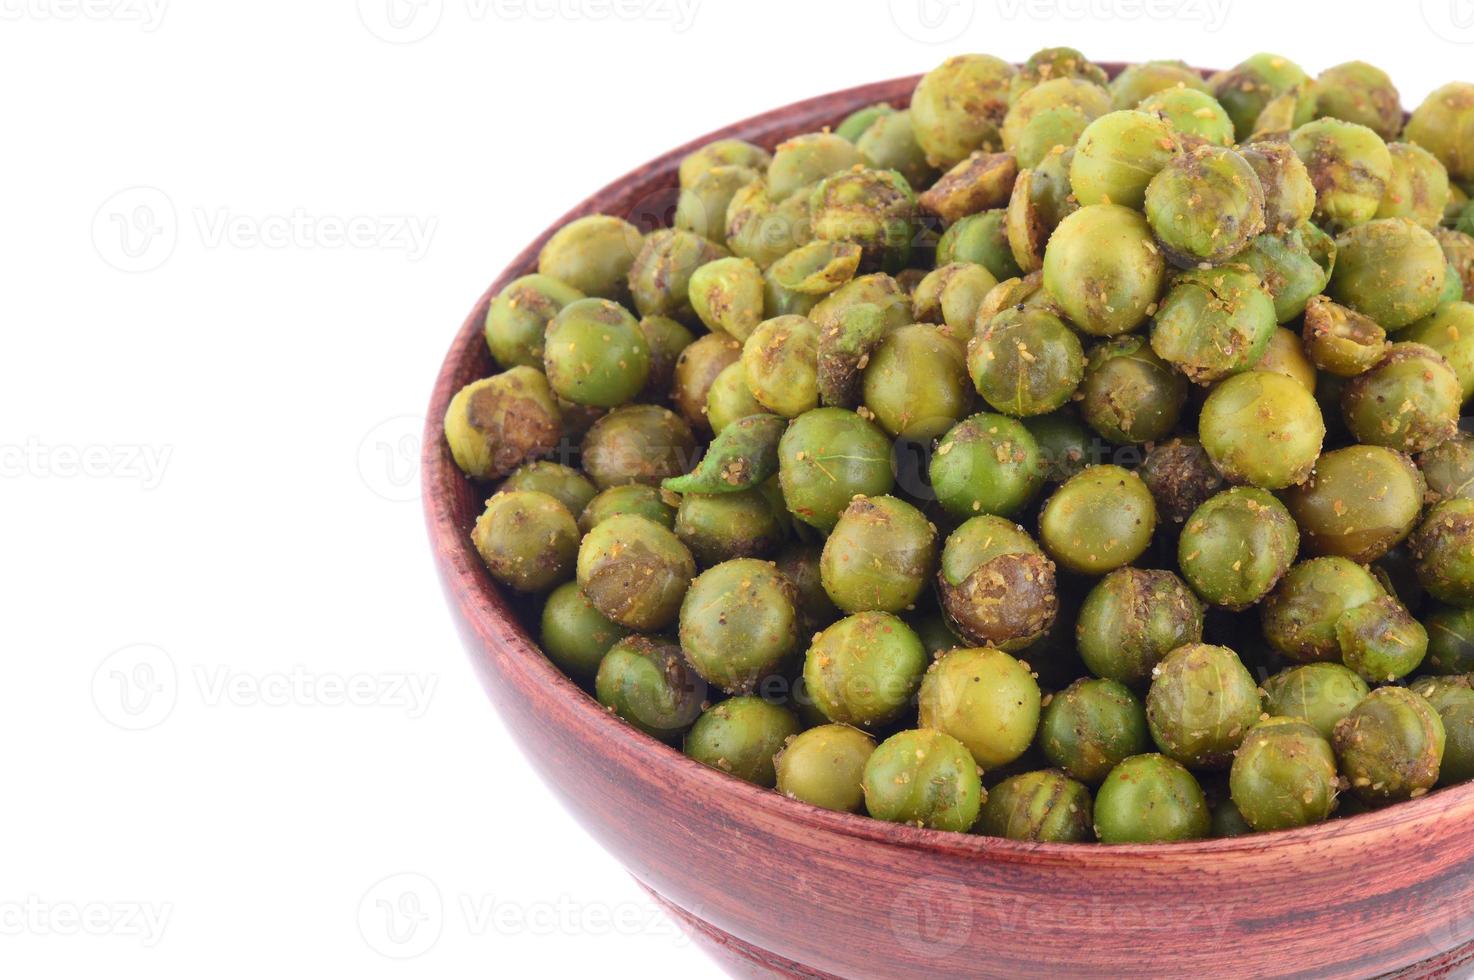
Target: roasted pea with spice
(637, 444)
(1099, 520)
(1119, 154)
(781, 361)
(1151, 799)
(1091, 727)
(1205, 205)
(593, 255)
(1202, 703)
(1448, 468)
(642, 500)
(596, 354)
(528, 540)
(916, 384)
(1293, 266)
(1284, 775)
(1053, 113)
(1237, 546)
(1389, 269)
(865, 669)
(1129, 394)
(738, 623)
(996, 586)
(1390, 746)
(494, 425)
(879, 556)
(1038, 806)
(1409, 401)
(1359, 503)
(727, 294)
(1263, 429)
(1136, 83)
(1320, 693)
(1104, 269)
(1026, 362)
(1180, 476)
(719, 527)
(950, 296)
(1213, 323)
(1133, 618)
(1450, 332)
(1289, 194)
(986, 464)
(740, 736)
(1443, 552)
(1439, 125)
(828, 456)
(824, 766)
(986, 700)
(648, 683)
(635, 572)
(923, 777)
(1453, 699)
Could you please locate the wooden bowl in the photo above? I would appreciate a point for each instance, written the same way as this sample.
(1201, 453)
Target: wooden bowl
(774, 887)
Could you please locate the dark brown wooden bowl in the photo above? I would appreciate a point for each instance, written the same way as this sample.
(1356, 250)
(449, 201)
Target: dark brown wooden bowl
(776, 887)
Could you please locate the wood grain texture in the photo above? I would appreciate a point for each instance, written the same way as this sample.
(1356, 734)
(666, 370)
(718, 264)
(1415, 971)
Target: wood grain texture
(778, 888)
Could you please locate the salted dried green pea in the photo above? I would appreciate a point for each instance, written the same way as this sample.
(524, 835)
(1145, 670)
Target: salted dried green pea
(1180, 476)
(1450, 332)
(1205, 205)
(1194, 114)
(635, 572)
(1025, 361)
(1098, 520)
(865, 669)
(1286, 355)
(824, 767)
(1040, 806)
(762, 228)
(980, 182)
(563, 483)
(958, 106)
(527, 539)
(984, 698)
(1213, 323)
(981, 239)
(1390, 746)
(1104, 269)
(879, 556)
(1284, 775)
(640, 499)
(738, 623)
(817, 268)
(875, 209)
(1130, 395)
(1293, 267)
(496, 424)
(916, 384)
(1409, 401)
(648, 683)
(1380, 640)
(596, 354)
(1320, 693)
(1237, 546)
(593, 255)
(852, 322)
(727, 295)
(1417, 187)
(696, 368)
(1202, 703)
(826, 458)
(574, 634)
(702, 206)
(996, 586)
(1136, 83)
(1055, 62)
(1443, 552)
(1052, 114)
(719, 527)
(1300, 616)
(1340, 340)
(1065, 445)
(950, 296)
(1350, 166)
(1248, 88)
(1263, 429)
(1453, 699)
(1359, 503)
(1440, 125)
(853, 126)
(1448, 468)
(721, 153)
(781, 362)
(1119, 154)
(801, 161)
(925, 778)
(1091, 727)
(740, 736)
(986, 464)
(781, 301)
(637, 444)
(1289, 194)
(1389, 269)
(1131, 619)
(1150, 799)
(730, 398)
(1041, 199)
(517, 319)
(1360, 93)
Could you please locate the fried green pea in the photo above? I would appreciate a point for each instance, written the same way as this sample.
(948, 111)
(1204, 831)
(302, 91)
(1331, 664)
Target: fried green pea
(1360, 93)
(764, 228)
(824, 767)
(660, 278)
(1448, 468)
(635, 572)
(721, 153)
(981, 239)
(1202, 703)
(496, 424)
(1205, 205)
(1055, 62)
(1389, 269)
(1195, 115)
(1453, 699)
(1380, 640)
(1289, 194)
(695, 369)
(730, 398)
(865, 669)
(1091, 727)
(950, 295)
(1104, 269)
(1180, 476)
(925, 778)
(740, 736)
(642, 500)
(1450, 332)
(996, 585)
(1417, 187)
(1065, 445)
(1350, 166)
(986, 700)
(1320, 693)
(981, 182)
(1131, 619)
(648, 683)
(574, 634)
(1293, 267)
(1441, 126)
(1213, 323)
(1038, 806)
(718, 527)
(1150, 799)
(1262, 429)
(637, 444)
(527, 539)
(1119, 154)
(1359, 503)
(1409, 401)
(702, 206)
(852, 322)
(596, 354)
(563, 483)
(593, 255)
(1237, 546)
(727, 295)
(1300, 617)
(1284, 775)
(1450, 639)
(1247, 89)
(1130, 395)
(1443, 552)
(1049, 115)
(879, 556)
(916, 384)
(803, 160)
(875, 209)
(828, 456)
(1026, 362)
(1390, 746)
(738, 623)
(986, 464)
(1340, 340)
(958, 106)
(1099, 520)
(1136, 83)
(781, 362)
(889, 143)
(517, 319)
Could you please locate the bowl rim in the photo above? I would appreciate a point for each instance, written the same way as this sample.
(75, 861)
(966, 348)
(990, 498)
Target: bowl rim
(484, 606)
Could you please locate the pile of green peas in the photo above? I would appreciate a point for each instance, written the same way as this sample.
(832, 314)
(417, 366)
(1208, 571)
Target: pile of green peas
(1191, 549)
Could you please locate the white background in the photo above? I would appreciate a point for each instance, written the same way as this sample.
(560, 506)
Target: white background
(208, 461)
